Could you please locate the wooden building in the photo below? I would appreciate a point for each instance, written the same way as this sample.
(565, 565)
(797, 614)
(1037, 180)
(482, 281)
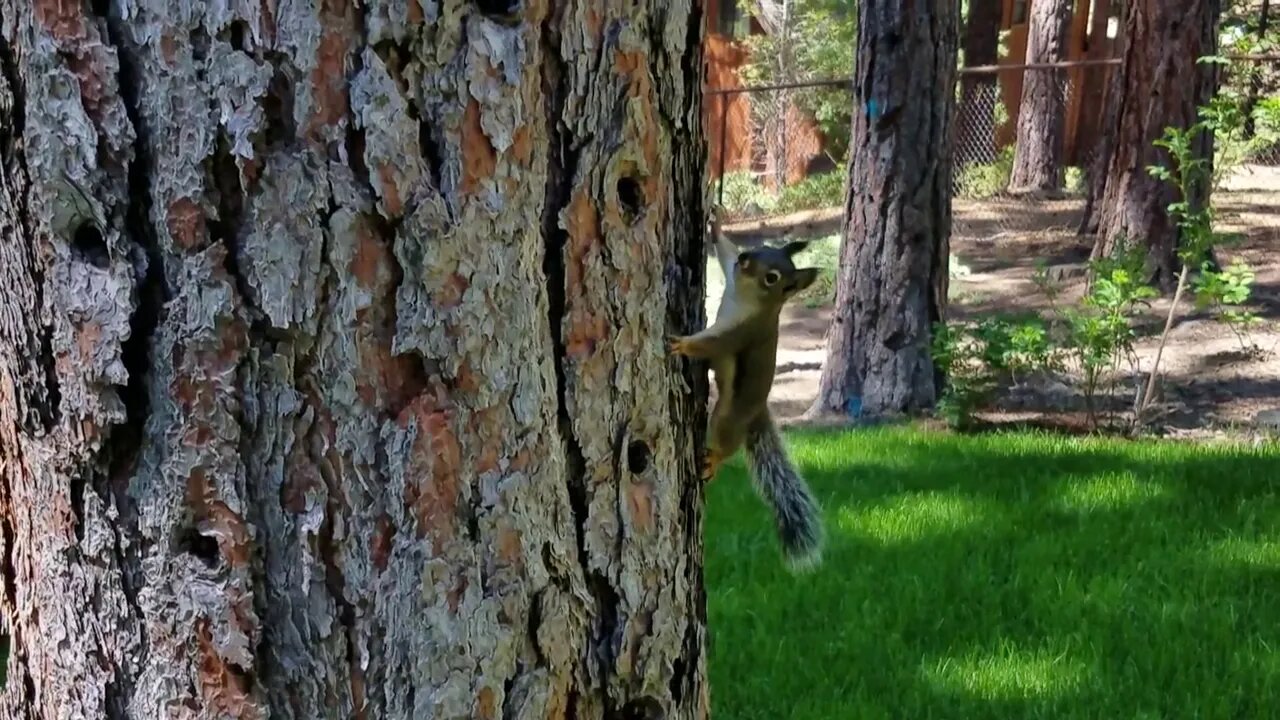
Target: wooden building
(1090, 37)
(729, 123)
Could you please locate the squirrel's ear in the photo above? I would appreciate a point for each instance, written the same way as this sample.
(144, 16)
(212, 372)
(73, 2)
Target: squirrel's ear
(795, 247)
(803, 278)
(744, 260)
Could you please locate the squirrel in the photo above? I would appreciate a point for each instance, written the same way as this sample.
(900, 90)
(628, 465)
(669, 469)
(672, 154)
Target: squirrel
(742, 347)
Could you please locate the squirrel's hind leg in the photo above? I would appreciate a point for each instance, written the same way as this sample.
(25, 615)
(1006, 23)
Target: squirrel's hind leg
(726, 435)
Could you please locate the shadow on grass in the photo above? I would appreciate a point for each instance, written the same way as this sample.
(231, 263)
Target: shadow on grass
(1004, 577)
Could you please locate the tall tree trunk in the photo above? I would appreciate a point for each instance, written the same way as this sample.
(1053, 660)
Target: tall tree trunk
(892, 283)
(1037, 157)
(782, 99)
(332, 373)
(979, 92)
(1159, 85)
(1255, 82)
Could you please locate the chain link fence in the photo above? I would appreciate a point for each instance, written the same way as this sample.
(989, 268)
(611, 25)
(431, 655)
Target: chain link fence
(1010, 179)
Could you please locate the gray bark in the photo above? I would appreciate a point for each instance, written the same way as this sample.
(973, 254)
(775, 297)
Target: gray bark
(1159, 85)
(333, 379)
(892, 281)
(1037, 158)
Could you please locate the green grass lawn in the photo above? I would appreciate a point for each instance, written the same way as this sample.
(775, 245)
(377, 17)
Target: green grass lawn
(1014, 576)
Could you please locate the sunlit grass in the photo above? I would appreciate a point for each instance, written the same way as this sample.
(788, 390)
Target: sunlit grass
(1019, 576)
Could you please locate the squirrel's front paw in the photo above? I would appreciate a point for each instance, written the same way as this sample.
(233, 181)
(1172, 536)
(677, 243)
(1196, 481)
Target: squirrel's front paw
(678, 345)
(711, 464)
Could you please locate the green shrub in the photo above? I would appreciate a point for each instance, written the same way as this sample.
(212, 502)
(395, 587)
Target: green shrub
(813, 192)
(988, 180)
(744, 194)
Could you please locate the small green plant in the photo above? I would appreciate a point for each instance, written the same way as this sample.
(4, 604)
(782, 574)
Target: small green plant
(1224, 292)
(813, 192)
(978, 182)
(967, 382)
(1194, 177)
(1101, 333)
(980, 357)
(744, 194)
(1096, 336)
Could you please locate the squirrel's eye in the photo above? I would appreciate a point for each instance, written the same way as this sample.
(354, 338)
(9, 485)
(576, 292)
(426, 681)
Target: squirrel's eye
(771, 278)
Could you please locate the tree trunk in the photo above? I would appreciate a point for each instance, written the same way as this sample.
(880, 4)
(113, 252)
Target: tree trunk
(332, 372)
(979, 93)
(1159, 85)
(1042, 111)
(1255, 82)
(892, 281)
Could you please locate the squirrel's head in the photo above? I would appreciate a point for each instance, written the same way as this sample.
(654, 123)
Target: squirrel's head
(768, 274)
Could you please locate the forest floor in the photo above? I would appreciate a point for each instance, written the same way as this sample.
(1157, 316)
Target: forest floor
(1214, 383)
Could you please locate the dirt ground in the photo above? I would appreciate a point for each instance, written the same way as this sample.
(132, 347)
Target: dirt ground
(1209, 386)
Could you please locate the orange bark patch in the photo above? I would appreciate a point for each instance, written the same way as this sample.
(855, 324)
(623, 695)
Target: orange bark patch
(357, 692)
(454, 597)
(168, 47)
(450, 293)
(229, 530)
(595, 23)
(582, 223)
(521, 460)
(268, 18)
(370, 258)
(510, 547)
(87, 64)
(640, 501)
(329, 81)
(87, 340)
(467, 380)
(586, 329)
(522, 144)
(414, 14)
(222, 686)
(478, 156)
(383, 535)
(436, 464)
(185, 221)
(486, 704)
(61, 18)
(215, 519)
(390, 193)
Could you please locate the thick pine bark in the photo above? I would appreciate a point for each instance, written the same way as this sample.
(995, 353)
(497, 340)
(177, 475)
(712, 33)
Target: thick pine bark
(979, 92)
(892, 280)
(1037, 157)
(332, 373)
(1159, 85)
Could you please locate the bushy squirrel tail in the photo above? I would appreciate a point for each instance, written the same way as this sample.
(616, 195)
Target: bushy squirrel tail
(797, 514)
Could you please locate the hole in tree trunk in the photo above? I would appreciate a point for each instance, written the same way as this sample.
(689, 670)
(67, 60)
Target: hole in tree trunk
(637, 457)
(200, 546)
(631, 197)
(88, 245)
(503, 11)
(239, 31)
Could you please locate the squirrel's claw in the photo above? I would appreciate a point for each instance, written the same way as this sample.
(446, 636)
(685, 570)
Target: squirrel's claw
(711, 465)
(677, 345)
